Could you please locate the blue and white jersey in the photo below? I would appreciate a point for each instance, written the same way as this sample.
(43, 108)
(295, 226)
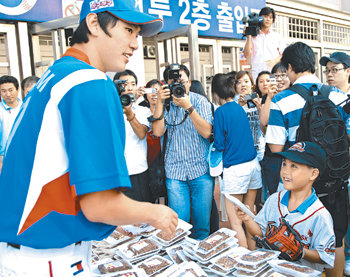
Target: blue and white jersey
(186, 150)
(67, 140)
(286, 109)
(311, 220)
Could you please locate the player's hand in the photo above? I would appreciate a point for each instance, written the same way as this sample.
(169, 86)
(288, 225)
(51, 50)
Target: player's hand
(163, 93)
(164, 218)
(183, 102)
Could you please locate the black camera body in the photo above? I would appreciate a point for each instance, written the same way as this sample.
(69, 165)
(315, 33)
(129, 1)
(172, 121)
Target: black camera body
(176, 87)
(125, 99)
(253, 21)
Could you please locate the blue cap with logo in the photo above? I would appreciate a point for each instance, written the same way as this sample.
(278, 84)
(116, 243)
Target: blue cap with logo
(125, 10)
(306, 152)
(336, 57)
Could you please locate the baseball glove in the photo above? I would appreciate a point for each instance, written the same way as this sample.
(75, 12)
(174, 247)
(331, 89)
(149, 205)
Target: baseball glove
(284, 239)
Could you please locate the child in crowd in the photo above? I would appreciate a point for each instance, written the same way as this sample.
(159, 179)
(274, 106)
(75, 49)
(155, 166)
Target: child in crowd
(234, 138)
(299, 206)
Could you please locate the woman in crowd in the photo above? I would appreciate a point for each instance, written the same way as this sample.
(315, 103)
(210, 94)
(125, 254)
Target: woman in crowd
(244, 86)
(234, 138)
(262, 85)
(281, 76)
(150, 100)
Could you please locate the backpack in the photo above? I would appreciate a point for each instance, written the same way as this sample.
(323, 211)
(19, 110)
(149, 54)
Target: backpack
(322, 123)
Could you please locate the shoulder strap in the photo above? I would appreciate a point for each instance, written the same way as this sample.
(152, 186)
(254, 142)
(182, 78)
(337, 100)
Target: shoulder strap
(325, 90)
(301, 90)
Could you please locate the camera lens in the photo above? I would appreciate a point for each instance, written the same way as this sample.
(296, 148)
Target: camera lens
(179, 91)
(125, 99)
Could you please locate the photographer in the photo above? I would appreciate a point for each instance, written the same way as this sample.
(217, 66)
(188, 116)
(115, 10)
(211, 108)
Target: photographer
(136, 128)
(190, 187)
(266, 48)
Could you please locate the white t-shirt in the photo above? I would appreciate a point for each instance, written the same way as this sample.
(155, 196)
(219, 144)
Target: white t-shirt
(265, 47)
(136, 149)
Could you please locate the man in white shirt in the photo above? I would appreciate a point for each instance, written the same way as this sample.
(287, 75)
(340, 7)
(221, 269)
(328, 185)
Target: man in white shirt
(337, 70)
(9, 109)
(136, 128)
(265, 49)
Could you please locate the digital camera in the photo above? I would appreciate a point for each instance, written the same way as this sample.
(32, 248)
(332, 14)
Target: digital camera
(176, 87)
(253, 21)
(125, 99)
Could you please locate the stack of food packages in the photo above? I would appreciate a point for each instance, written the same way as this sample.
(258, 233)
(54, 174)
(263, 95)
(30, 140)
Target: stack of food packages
(146, 251)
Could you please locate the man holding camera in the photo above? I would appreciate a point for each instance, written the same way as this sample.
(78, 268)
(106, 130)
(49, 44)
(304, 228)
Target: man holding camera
(136, 128)
(265, 49)
(64, 168)
(188, 119)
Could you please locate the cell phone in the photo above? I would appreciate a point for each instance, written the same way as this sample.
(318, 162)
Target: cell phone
(150, 90)
(273, 79)
(250, 96)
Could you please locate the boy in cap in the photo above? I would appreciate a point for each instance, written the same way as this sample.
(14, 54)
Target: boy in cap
(337, 70)
(299, 206)
(64, 166)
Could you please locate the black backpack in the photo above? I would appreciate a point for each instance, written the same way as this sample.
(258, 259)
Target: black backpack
(322, 123)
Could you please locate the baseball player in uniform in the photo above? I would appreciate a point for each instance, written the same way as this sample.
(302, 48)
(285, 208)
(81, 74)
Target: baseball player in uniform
(64, 166)
(299, 206)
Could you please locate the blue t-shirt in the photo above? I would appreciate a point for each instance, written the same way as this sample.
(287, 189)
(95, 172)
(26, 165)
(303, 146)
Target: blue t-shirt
(67, 140)
(233, 135)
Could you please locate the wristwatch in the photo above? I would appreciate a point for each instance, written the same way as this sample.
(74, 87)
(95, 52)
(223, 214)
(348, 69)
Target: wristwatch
(189, 110)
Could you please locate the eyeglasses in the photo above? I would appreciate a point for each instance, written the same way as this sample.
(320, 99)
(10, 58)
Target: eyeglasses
(334, 70)
(282, 76)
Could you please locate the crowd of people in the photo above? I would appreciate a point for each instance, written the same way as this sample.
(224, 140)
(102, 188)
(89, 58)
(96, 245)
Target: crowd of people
(84, 146)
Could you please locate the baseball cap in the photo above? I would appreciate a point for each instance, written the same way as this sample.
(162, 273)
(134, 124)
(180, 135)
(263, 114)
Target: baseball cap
(215, 161)
(308, 153)
(336, 57)
(126, 11)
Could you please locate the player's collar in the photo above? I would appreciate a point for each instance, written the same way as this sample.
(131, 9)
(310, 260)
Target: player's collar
(303, 206)
(76, 53)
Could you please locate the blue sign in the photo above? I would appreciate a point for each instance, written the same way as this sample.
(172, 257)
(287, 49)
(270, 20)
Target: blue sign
(30, 10)
(217, 18)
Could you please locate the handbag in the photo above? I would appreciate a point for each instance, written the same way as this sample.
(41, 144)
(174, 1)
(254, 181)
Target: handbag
(157, 178)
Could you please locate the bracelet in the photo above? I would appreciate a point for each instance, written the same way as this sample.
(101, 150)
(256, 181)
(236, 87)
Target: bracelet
(131, 118)
(151, 118)
(303, 255)
(189, 110)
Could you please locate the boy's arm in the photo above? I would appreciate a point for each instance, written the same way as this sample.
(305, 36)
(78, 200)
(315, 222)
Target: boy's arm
(312, 256)
(253, 227)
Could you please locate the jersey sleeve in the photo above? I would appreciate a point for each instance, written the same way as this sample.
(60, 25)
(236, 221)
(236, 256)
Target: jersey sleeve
(94, 134)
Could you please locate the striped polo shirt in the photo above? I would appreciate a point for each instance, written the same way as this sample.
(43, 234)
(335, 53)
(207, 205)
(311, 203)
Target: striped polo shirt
(286, 109)
(186, 150)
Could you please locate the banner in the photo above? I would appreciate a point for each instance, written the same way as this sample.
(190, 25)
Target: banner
(216, 18)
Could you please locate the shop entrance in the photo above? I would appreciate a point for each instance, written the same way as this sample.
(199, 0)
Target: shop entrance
(9, 63)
